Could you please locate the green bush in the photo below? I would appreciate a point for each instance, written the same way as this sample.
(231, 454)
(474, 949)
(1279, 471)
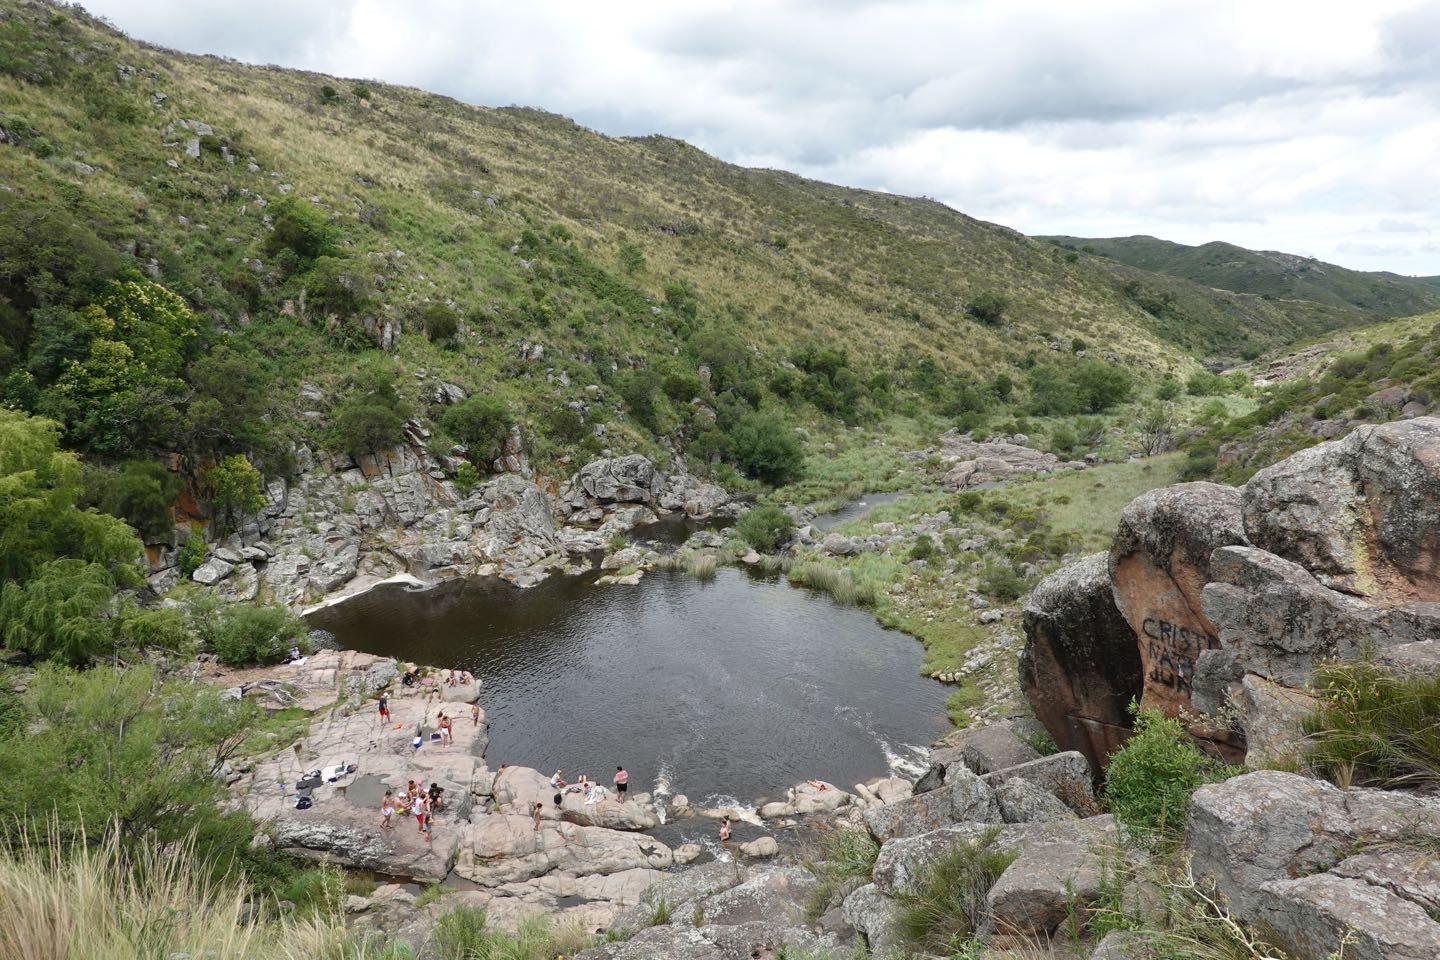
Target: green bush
(441, 323)
(301, 229)
(765, 448)
(482, 423)
(1149, 780)
(1206, 384)
(365, 427)
(192, 552)
(58, 614)
(1001, 581)
(466, 477)
(988, 307)
(1099, 386)
(845, 862)
(1167, 389)
(246, 633)
(1063, 441)
(923, 548)
(764, 527)
(140, 493)
(1375, 727)
(948, 905)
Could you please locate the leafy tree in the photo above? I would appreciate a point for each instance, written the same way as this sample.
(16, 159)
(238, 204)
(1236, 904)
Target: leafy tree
(371, 418)
(60, 612)
(482, 423)
(764, 447)
(235, 488)
(121, 749)
(988, 307)
(231, 404)
(1099, 386)
(248, 633)
(40, 486)
(339, 286)
(1002, 387)
(639, 392)
(1050, 392)
(192, 552)
(140, 493)
(764, 526)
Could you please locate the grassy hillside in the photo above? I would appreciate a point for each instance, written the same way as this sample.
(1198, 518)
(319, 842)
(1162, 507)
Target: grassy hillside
(308, 221)
(1267, 273)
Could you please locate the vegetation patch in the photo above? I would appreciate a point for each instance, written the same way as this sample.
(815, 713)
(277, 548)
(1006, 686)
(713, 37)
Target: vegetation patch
(1375, 727)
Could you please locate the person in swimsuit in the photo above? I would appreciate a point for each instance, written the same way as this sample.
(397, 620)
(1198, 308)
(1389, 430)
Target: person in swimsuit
(417, 810)
(535, 815)
(387, 807)
(475, 714)
(622, 781)
(724, 829)
(384, 708)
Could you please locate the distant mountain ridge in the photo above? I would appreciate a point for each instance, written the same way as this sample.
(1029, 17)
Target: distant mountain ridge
(1268, 273)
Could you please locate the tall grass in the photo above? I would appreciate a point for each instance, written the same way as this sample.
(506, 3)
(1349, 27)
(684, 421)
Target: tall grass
(1375, 727)
(949, 904)
(105, 902)
(833, 580)
(845, 862)
(464, 933)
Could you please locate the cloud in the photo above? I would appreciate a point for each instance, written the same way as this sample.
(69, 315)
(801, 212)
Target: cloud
(1285, 123)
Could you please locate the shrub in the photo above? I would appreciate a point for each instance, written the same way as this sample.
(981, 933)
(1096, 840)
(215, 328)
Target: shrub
(140, 493)
(235, 488)
(1099, 386)
(251, 634)
(1063, 441)
(1001, 581)
(482, 423)
(765, 526)
(948, 904)
(1167, 389)
(301, 229)
(988, 307)
(58, 613)
(765, 448)
(192, 552)
(441, 323)
(365, 427)
(1374, 727)
(632, 258)
(1149, 780)
(466, 477)
(1206, 384)
(923, 548)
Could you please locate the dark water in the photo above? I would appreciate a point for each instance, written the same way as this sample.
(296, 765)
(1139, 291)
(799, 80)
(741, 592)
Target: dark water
(733, 688)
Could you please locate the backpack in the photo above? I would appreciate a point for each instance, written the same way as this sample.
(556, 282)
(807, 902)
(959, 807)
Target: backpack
(303, 803)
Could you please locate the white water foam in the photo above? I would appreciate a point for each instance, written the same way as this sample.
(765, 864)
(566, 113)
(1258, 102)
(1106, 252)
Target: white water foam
(909, 761)
(660, 793)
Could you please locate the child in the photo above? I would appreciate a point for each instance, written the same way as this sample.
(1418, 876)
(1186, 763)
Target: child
(429, 828)
(386, 809)
(535, 815)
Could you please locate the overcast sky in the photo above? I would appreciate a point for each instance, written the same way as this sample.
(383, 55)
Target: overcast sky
(1310, 126)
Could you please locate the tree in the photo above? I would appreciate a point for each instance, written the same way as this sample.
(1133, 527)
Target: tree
(235, 488)
(1099, 386)
(122, 749)
(482, 423)
(373, 415)
(40, 486)
(60, 613)
(441, 322)
(1156, 429)
(140, 493)
(1050, 392)
(764, 447)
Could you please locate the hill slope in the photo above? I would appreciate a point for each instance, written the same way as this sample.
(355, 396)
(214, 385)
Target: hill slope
(1268, 273)
(311, 223)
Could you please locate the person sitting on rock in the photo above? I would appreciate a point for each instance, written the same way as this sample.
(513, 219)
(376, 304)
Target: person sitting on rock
(436, 803)
(411, 677)
(725, 829)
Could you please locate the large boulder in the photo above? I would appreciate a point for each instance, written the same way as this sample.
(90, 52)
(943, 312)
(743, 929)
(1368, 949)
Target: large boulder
(502, 848)
(628, 479)
(1362, 514)
(1159, 564)
(1309, 862)
(877, 918)
(1051, 878)
(963, 798)
(1080, 667)
(1066, 776)
(1277, 621)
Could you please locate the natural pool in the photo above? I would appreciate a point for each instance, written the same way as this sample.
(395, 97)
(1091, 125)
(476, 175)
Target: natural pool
(732, 688)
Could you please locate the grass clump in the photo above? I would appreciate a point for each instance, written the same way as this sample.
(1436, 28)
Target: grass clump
(829, 579)
(1149, 781)
(846, 861)
(948, 906)
(765, 527)
(464, 933)
(702, 566)
(1374, 727)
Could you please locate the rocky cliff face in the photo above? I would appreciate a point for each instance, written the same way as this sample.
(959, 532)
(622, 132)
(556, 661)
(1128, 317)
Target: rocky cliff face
(342, 524)
(1229, 597)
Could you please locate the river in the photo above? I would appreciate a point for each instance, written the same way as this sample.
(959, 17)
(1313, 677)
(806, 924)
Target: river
(727, 690)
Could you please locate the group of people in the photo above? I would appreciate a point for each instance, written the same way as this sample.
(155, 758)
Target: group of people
(418, 801)
(592, 791)
(444, 725)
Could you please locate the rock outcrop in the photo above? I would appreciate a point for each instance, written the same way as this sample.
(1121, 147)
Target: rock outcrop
(1234, 596)
(1313, 866)
(1081, 667)
(970, 463)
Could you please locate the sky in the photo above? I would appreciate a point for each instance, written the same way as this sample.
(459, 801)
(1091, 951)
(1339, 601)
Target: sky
(1310, 127)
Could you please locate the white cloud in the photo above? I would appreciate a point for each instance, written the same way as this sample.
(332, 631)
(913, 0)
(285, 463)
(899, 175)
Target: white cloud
(1288, 124)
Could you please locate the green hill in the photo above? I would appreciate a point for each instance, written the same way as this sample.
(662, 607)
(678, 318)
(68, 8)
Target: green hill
(1267, 273)
(353, 241)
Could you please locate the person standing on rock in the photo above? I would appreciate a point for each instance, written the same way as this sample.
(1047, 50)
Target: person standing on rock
(387, 808)
(475, 714)
(384, 707)
(622, 782)
(417, 810)
(535, 815)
